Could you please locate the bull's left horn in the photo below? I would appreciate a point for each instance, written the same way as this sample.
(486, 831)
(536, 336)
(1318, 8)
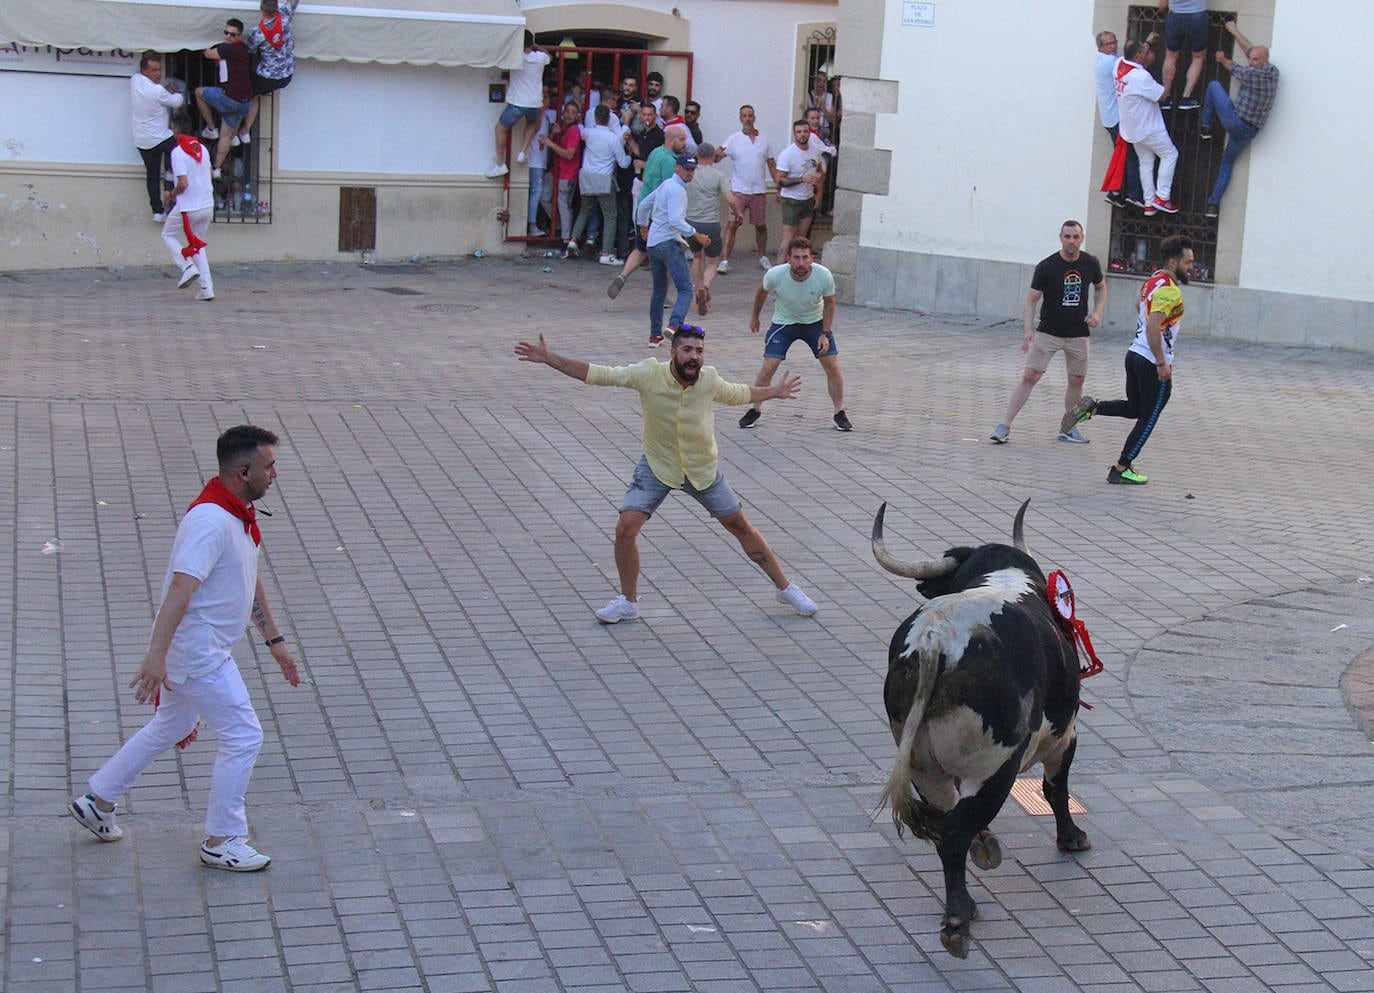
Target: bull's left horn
(1018, 533)
(912, 570)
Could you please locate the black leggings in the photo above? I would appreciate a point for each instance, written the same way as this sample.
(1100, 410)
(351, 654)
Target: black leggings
(152, 162)
(1145, 400)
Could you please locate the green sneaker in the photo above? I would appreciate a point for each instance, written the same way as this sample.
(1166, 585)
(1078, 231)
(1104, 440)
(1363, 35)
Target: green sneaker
(1130, 476)
(1082, 411)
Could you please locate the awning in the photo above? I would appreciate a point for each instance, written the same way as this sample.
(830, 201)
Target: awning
(420, 32)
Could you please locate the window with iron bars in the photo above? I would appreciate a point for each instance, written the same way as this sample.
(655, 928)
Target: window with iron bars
(1135, 238)
(243, 193)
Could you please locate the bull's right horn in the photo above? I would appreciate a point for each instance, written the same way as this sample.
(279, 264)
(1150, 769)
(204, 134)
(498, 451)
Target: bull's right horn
(912, 570)
(1018, 529)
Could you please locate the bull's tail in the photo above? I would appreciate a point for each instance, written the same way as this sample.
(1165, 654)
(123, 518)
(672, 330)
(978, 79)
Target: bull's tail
(897, 792)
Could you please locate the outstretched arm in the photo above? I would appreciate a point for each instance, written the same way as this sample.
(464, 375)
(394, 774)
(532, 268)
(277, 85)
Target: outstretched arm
(539, 352)
(1235, 33)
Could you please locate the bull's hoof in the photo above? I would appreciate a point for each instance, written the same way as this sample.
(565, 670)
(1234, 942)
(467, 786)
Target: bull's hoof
(955, 937)
(985, 851)
(1076, 842)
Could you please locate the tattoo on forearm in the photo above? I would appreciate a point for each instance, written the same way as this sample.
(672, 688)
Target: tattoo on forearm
(259, 616)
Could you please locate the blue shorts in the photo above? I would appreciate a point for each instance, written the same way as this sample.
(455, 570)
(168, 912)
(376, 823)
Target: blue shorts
(512, 113)
(647, 491)
(1190, 26)
(231, 111)
(781, 336)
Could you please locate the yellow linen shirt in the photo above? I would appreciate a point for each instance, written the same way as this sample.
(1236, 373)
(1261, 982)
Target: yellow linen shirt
(679, 424)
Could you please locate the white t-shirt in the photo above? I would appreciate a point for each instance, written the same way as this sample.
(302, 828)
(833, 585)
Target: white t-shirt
(211, 546)
(1105, 73)
(526, 88)
(150, 104)
(796, 163)
(1137, 99)
(199, 193)
(749, 160)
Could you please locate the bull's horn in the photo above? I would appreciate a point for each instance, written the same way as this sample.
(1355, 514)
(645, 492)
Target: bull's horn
(1018, 534)
(912, 570)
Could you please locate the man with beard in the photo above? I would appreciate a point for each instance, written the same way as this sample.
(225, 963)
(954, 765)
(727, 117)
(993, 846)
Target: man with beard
(210, 593)
(679, 452)
(1149, 360)
(798, 174)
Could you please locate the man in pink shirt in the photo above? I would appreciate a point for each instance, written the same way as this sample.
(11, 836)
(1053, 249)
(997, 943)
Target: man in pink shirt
(565, 141)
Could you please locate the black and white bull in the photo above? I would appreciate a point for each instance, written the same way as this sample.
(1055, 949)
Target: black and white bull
(982, 683)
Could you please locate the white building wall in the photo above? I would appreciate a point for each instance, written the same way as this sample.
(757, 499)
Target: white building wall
(992, 142)
(1309, 212)
(54, 118)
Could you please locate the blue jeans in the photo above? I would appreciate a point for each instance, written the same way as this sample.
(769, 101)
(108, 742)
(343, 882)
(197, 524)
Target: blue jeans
(668, 259)
(1217, 103)
(541, 193)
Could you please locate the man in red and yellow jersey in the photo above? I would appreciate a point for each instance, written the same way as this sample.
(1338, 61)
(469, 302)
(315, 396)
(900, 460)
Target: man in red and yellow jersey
(1149, 360)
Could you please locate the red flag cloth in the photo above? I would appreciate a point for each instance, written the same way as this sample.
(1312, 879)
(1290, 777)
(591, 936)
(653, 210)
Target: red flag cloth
(193, 244)
(217, 493)
(1116, 169)
(271, 30)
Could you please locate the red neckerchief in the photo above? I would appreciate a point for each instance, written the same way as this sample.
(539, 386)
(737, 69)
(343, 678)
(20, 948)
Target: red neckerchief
(217, 493)
(1123, 67)
(675, 120)
(275, 36)
(191, 146)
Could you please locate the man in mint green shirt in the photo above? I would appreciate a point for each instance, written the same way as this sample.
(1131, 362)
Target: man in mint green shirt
(679, 453)
(803, 311)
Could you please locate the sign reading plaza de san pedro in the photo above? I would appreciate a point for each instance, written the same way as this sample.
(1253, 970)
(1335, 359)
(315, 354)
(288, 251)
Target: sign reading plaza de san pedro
(67, 61)
(918, 15)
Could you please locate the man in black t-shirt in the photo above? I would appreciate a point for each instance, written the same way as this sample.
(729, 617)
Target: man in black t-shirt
(232, 98)
(1060, 286)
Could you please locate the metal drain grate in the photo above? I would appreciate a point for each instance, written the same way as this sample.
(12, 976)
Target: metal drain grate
(1026, 792)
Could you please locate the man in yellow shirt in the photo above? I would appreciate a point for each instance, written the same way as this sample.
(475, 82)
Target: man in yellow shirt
(1149, 360)
(679, 453)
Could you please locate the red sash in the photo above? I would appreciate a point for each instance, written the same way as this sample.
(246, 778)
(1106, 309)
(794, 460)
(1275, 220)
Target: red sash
(1116, 169)
(196, 150)
(275, 36)
(217, 493)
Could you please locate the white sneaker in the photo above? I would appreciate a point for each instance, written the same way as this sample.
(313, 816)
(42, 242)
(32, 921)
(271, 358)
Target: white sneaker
(234, 141)
(765, 263)
(723, 266)
(205, 295)
(188, 276)
(620, 609)
(610, 260)
(100, 823)
(798, 600)
(497, 171)
(245, 138)
(522, 158)
(210, 134)
(159, 218)
(235, 854)
(215, 173)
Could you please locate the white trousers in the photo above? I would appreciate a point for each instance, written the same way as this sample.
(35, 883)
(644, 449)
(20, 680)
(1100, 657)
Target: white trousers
(1147, 149)
(222, 700)
(174, 234)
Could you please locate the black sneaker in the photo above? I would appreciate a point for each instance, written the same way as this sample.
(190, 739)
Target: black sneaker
(1189, 103)
(750, 417)
(1127, 476)
(1082, 411)
(1212, 211)
(1205, 134)
(842, 422)
(1115, 199)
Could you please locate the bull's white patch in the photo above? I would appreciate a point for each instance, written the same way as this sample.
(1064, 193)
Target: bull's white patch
(947, 623)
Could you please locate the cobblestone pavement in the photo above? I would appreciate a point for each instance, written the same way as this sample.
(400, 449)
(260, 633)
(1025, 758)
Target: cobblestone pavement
(480, 788)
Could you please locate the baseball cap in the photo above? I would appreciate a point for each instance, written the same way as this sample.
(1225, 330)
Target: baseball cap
(687, 161)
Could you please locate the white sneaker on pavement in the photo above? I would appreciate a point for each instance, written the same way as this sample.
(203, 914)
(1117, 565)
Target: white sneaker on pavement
(798, 600)
(159, 218)
(188, 276)
(723, 265)
(205, 295)
(100, 823)
(765, 263)
(619, 609)
(235, 854)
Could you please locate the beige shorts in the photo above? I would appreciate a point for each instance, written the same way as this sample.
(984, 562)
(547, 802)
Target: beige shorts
(1043, 347)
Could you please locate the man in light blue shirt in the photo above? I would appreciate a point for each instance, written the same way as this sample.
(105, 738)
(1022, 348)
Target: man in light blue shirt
(603, 148)
(667, 240)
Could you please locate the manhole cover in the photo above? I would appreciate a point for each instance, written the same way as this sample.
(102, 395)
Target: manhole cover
(445, 308)
(400, 291)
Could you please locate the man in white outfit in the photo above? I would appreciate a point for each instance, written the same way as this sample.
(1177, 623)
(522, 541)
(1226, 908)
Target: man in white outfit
(150, 102)
(1142, 124)
(193, 208)
(210, 592)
